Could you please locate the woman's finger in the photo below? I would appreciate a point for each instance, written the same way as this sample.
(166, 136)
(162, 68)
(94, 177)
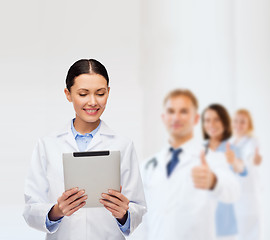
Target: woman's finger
(73, 197)
(70, 212)
(77, 202)
(64, 204)
(112, 205)
(118, 195)
(257, 151)
(68, 193)
(115, 213)
(113, 199)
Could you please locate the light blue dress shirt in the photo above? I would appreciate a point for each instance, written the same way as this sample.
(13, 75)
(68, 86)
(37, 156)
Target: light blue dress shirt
(226, 224)
(83, 141)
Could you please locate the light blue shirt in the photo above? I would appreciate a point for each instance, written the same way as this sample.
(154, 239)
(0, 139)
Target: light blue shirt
(226, 224)
(83, 141)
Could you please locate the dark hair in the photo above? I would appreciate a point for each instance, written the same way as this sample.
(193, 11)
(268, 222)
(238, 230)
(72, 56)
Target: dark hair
(82, 66)
(224, 117)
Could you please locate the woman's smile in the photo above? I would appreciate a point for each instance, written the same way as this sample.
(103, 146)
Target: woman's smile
(89, 95)
(91, 111)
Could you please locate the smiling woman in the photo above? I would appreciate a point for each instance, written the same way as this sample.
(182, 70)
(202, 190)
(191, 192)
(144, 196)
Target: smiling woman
(59, 213)
(88, 92)
(216, 128)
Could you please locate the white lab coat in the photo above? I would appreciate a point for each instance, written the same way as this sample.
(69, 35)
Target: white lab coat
(177, 210)
(248, 207)
(45, 183)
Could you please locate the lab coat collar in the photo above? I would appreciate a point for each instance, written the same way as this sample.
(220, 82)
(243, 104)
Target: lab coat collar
(190, 147)
(97, 139)
(68, 136)
(241, 142)
(105, 130)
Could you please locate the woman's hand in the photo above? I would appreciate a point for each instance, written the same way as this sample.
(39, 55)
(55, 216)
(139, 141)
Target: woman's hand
(257, 157)
(70, 201)
(237, 164)
(230, 156)
(117, 204)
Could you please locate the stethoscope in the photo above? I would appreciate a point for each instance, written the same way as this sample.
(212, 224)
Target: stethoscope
(153, 162)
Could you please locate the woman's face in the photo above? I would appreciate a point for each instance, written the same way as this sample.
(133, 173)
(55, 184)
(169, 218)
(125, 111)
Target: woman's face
(240, 124)
(212, 124)
(89, 95)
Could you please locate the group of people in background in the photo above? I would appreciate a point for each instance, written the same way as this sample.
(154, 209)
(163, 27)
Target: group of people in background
(203, 191)
(235, 139)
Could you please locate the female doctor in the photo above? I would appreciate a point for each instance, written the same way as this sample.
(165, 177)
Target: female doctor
(248, 208)
(59, 213)
(216, 126)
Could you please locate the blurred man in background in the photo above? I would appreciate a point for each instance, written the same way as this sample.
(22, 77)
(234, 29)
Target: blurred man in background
(181, 186)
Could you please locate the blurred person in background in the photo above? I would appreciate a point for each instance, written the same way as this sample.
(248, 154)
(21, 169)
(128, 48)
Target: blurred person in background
(216, 127)
(248, 209)
(182, 186)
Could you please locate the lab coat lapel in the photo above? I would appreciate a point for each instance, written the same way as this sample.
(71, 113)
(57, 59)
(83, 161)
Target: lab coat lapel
(162, 161)
(68, 137)
(95, 141)
(98, 137)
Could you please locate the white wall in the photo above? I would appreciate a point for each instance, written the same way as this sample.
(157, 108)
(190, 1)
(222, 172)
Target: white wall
(252, 34)
(218, 49)
(185, 44)
(39, 42)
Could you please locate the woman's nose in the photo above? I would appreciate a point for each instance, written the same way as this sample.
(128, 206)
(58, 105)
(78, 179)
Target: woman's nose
(92, 101)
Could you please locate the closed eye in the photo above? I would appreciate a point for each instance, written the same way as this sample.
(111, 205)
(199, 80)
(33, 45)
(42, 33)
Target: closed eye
(184, 110)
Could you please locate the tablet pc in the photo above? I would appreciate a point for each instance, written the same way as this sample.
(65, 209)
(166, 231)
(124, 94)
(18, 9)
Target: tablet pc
(95, 172)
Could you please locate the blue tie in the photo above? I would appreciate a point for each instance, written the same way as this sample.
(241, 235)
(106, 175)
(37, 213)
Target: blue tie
(172, 164)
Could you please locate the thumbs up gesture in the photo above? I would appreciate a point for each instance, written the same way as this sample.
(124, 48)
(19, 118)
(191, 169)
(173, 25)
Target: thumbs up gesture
(237, 164)
(257, 157)
(230, 156)
(203, 177)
